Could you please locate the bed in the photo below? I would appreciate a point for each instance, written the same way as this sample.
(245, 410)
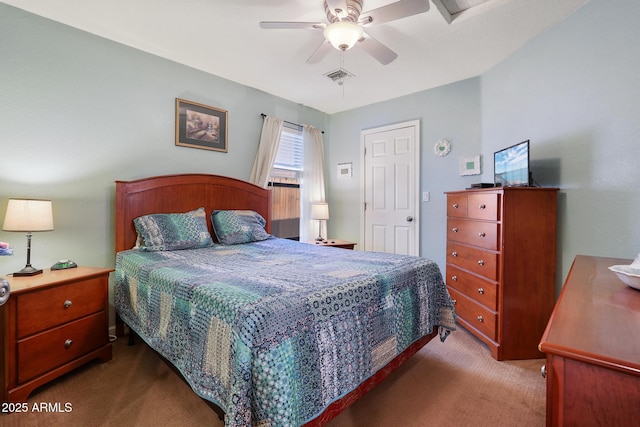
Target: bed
(272, 331)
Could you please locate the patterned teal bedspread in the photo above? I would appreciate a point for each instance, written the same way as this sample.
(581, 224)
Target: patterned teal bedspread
(274, 331)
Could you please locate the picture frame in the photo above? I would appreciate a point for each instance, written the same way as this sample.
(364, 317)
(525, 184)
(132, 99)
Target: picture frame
(344, 170)
(201, 126)
(470, 165)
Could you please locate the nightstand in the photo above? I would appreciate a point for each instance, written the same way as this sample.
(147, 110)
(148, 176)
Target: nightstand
(52, 323)
(336, 243)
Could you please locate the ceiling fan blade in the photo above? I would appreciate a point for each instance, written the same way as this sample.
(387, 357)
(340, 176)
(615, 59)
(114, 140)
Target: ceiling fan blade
(393, 11)
(338, 8)
(320, 53)
(373, 47)
(279, 25)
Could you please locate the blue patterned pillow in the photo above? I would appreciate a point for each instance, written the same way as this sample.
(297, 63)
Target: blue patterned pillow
(168, 232)
(238, 226)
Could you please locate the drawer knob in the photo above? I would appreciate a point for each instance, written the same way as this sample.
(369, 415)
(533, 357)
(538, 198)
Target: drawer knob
(481, 291)
(454, 254)
(67, 304)
(480, 262)
(481, 234)
(480, 319)
(454, 301)
(455, 229)
(68, 343)
(455, 206)
(454, 278)
(482, 206)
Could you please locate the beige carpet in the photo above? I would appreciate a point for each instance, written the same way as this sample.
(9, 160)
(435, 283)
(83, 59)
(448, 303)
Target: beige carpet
(455, 383)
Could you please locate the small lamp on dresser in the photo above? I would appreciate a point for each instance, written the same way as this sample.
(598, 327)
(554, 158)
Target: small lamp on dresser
(320, 212)
(28, 215)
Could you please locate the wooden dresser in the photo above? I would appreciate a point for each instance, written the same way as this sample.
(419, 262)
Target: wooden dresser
(501, 265)
(52, 323)
(592, 344)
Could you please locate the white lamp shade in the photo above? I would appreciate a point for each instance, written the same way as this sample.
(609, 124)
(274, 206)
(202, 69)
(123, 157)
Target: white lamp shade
(320, 211)
(28, 215)
(343, 35)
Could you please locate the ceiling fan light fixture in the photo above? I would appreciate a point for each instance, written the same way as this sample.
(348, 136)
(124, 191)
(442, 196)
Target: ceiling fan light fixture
(343, 35)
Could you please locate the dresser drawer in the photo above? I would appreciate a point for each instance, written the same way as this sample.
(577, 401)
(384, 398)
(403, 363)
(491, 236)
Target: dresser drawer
(54, 306)
(482, 291)
(457, 205)
(475, 314)
(476, 233)
(484, 206)
(479, 261)
(43, 352)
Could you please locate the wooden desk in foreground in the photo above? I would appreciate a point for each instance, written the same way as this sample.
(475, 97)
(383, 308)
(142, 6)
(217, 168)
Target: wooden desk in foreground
(592, 344)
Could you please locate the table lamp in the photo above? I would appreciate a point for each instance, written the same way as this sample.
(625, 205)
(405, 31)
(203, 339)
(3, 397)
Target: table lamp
(28, 215)
(320, 212)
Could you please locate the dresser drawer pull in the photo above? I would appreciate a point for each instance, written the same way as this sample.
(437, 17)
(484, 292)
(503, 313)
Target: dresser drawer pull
(67, 304)
(455, 206)
(68, 343)
(455, 229)
(480, 262)
(454, 254)
(482, 206)
(481, 234)
(454, 301)
(480, 319)
(454, 278)
(481, 291)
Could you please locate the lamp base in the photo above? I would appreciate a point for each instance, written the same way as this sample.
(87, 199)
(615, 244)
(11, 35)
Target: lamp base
(27, 271)
(319, 239)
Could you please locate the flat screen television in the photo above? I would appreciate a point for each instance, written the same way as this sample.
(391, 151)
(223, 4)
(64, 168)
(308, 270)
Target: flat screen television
(511, 166)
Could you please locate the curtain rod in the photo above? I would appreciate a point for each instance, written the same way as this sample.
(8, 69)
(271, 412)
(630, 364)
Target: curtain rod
(291, 123)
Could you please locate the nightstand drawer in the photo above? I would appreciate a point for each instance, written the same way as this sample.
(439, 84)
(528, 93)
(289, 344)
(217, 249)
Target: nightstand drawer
(482, 291)
(43, 352)
(334, 243)
(475, 314)
(54, 306)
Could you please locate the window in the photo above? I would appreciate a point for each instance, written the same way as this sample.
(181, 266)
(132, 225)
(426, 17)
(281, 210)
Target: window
(285, 184)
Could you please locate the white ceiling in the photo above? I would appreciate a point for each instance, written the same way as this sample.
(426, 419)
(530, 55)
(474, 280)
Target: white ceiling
(222, 37)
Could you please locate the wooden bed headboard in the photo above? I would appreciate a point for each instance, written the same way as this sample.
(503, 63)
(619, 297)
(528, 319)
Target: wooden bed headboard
(183, 193)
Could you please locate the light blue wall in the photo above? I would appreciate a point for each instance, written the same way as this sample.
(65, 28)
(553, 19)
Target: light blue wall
(450, 112)
(78, 112)
(575, 93)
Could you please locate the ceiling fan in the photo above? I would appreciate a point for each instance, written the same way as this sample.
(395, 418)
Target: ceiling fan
(347, 24)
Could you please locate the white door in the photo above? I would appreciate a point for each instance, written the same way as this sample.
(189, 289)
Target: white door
(390, 208)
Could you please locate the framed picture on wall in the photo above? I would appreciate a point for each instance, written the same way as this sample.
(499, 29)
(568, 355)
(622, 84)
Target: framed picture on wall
(470, 165)
(201, 126)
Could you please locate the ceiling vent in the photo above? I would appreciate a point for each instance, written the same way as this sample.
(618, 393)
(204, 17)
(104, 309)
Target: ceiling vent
(339, 75)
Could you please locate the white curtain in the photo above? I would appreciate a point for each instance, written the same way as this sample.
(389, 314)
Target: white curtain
(312, 188)
(267, 151)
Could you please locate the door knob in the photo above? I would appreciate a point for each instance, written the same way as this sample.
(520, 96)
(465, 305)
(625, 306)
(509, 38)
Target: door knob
(409, 218)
